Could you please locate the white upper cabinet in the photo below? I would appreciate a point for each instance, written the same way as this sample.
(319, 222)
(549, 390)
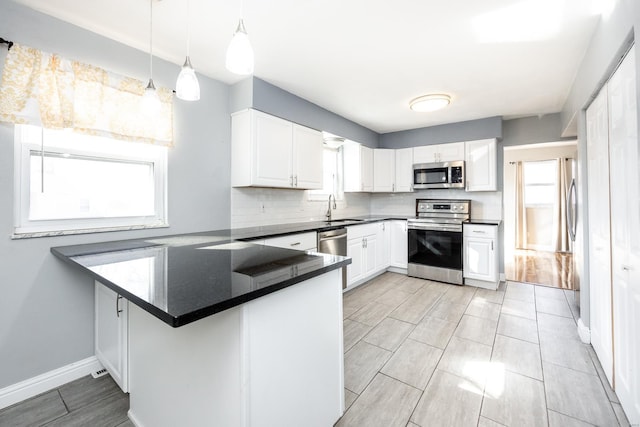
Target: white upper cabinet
(439, 153)
(384, 165)
(404, 170)
(267, 151)
(358, 167)
(480, 165)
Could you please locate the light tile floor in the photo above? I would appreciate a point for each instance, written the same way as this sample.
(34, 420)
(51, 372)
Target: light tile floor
(422, 353)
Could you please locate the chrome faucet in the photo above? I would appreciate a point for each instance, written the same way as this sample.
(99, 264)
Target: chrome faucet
(328, 215)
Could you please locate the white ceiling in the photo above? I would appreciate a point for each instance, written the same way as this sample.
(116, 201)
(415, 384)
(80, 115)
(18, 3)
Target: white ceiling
(366, 59)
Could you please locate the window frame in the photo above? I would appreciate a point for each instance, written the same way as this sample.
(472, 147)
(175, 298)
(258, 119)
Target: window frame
(338, 181)
(30, 138)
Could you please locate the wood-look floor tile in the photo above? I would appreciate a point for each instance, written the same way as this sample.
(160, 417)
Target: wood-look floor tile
(410, 424)
(521, 401)
(386, 402)
(515, 307)
(467, 359)
(389, 333)
(553, 306)
(557, 419)
(479, 307)
(490, 296)
(447, 310)
(566, 352)
(372, 313)
(412, 284)
(393, 297)
(415, 308)
(349, 398)
(127, 423)
(520, 295)
(477, 329)
(558, 326)
(448, 401)
(547, 292)
(518, 356)
(413, 363)
(460, 294)
(433, 331)
(578, 395)
(620, 415)
(110, 411)
(518, 327)
(85, 390)
(603, 377)
(35, 411)
(361, 364)
(353, 332)
(486, 422)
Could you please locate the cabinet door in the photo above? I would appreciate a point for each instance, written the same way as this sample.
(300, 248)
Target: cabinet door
(398, 244)
(111, 334)
(272, 138)
(307, 158)
(383, 245)
(370, 255)
(352, 167)
(366, 168)
(425, 154)
(478, 259)
(480, 167)
(451, 152)
(355, 270)
(404, 170)
(384, 162)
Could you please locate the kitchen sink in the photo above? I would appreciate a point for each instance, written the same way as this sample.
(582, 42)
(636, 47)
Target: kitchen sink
(346, 220)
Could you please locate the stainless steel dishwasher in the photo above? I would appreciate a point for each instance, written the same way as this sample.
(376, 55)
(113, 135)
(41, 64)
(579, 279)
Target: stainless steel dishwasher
(334, 242)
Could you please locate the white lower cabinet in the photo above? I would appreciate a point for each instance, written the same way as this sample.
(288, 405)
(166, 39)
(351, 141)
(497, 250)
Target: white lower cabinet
(366, 248)
(112, 334)
(481, 255)
(383, 250)
(398, 245)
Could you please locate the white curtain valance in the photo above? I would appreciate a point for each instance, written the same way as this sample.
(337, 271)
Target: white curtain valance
(46, 90)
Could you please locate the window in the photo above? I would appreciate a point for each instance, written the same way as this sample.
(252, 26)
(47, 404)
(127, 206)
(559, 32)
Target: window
(331, 175)
(68, 182)
(540, 183)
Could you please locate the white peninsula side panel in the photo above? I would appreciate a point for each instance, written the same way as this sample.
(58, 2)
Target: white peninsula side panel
(276, 360)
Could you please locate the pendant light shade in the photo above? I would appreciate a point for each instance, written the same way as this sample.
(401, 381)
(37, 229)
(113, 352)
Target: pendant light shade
(187, 85)
(240, 53)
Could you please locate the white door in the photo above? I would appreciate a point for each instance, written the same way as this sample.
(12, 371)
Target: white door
(599, 232)
(480, 166)
(404, 170)
(384, 163)
(625, 232)
(451, 152)
(366, 168)
(273, 151)
(398, 244)
(307, 158)
(355, 270)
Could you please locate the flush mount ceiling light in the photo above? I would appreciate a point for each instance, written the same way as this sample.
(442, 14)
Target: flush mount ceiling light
(427, 103)
(187, 86)
(240, 53)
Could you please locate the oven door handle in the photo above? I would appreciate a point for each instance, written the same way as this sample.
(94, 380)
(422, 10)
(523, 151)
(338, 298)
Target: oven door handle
(453, 228)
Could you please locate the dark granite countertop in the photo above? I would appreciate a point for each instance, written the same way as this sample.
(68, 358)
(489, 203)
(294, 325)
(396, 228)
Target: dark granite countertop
(484, 221)
(183, 278)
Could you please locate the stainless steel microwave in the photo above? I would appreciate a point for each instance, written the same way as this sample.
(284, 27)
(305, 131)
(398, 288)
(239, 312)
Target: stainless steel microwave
(438, 175)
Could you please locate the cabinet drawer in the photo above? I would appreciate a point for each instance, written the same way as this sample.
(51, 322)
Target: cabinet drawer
(480, 230)
(300, 241)
(355, 231)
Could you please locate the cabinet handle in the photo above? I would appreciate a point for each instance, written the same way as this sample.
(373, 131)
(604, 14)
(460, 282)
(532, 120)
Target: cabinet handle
(626, 268)
(295, 244)
(383, 226)
(118, 310)
(296, 178)
(291, 180)
(393, 188)
(492, 245)
(362, 186)
(479, 231)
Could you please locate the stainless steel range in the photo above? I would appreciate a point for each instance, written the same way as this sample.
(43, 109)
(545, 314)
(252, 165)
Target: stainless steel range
(435, 239)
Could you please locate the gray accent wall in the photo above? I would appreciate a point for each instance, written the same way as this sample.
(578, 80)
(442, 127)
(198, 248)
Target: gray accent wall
(490, 127)
(46, 307)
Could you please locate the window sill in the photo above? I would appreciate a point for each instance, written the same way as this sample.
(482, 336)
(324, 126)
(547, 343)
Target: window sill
(36, 234)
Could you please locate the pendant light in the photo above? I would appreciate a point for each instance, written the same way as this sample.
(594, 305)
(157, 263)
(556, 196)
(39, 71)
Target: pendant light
(150, 99)
(187, 86)
(240, 53)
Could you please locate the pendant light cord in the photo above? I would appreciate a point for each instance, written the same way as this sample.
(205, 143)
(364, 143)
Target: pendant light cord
(151, 39)
(188, 29)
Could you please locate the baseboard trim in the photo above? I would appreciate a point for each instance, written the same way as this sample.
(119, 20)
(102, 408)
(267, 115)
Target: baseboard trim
(503, 278)
(584, 332)
(49, 380)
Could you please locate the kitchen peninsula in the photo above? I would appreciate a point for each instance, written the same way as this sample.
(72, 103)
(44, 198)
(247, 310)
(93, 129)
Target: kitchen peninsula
(220, 331)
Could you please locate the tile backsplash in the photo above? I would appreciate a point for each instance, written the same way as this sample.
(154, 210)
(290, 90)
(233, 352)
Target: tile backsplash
(267, 206)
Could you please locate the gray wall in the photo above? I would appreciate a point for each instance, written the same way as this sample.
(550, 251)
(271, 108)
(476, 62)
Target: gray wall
(490, 127)
(46, 308)
(609, 43)
(271, 99)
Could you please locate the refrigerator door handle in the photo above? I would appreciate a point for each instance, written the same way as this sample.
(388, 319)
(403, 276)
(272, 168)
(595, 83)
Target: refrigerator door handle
(572, 210)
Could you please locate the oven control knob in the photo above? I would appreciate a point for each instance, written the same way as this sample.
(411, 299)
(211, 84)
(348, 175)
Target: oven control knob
(454, 207)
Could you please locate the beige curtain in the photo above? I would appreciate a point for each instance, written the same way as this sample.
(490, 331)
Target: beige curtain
(43, 89)
(561, 240)
(521, 213)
